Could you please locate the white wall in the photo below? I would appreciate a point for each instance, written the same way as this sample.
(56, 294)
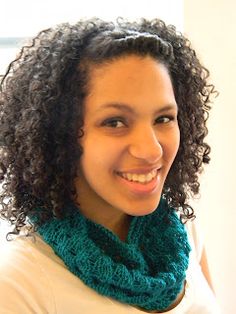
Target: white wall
(211, 26)
(27, 17)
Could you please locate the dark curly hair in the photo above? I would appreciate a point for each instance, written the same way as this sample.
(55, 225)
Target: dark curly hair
(41, 103)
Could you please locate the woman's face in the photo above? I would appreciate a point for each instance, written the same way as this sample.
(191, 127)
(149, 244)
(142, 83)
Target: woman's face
(131, 136)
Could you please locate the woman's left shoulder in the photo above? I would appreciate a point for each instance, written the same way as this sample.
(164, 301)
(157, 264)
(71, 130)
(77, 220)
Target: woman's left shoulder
(195, 236)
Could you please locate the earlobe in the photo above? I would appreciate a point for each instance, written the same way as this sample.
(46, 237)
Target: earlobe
(80, 133)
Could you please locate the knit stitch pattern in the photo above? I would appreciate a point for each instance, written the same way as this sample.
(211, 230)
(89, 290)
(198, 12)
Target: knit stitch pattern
(147, 270)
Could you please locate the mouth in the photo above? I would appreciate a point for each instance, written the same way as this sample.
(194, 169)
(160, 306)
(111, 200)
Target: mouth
(141, 182)
(142, 178)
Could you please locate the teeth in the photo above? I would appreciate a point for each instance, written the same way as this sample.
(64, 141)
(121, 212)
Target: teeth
(129, 176)
(142, 178)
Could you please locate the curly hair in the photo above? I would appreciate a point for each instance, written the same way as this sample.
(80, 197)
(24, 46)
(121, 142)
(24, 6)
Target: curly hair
(41, 101)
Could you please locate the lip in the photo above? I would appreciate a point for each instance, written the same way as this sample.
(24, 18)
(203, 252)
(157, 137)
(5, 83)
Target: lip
(140, 170)
(141, 189)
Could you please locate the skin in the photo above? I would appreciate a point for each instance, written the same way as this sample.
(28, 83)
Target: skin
(205, 269)
(130, 126)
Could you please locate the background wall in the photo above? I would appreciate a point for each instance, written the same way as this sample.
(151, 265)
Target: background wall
(27, 17)
(211, 26)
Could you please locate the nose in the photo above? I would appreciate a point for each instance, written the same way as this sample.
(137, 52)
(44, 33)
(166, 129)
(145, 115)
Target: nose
(146, 146)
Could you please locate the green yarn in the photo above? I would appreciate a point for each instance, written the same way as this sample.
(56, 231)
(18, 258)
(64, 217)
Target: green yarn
(148, 270)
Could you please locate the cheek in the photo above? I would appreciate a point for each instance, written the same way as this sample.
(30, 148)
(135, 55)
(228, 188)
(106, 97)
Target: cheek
(99, 155)
(172, 146)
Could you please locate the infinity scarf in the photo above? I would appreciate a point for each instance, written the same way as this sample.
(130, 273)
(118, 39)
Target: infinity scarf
(147, 270)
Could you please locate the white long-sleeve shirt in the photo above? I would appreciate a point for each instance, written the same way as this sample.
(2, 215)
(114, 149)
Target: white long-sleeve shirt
(34, 280)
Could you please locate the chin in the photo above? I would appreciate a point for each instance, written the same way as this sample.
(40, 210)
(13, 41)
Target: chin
(141, 212)
(142, 207)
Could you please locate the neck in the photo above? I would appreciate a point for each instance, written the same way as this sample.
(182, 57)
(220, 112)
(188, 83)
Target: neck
(100, 212)
(115, 221)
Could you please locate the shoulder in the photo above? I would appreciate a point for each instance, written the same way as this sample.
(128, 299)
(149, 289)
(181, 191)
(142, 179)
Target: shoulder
(38, 280)
(194, 232)
(23, 277)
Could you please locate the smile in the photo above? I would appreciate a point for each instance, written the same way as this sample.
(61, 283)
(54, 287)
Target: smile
(140, 178)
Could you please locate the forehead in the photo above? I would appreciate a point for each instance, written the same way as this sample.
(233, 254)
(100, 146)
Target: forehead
(129, 75)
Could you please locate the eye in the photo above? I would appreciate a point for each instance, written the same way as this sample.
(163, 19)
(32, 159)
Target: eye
(114, 123)
(164, 119)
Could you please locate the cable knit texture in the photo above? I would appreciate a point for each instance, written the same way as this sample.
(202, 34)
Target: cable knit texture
(147, 270)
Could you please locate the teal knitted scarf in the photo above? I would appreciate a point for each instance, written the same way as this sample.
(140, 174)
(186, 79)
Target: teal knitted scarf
(148, 270)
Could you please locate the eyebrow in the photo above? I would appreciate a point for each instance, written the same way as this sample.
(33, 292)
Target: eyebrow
(127, 108)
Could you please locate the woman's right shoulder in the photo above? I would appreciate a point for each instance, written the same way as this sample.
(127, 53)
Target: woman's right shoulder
(23, 276)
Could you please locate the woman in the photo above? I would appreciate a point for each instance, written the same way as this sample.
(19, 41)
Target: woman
(103, 128)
